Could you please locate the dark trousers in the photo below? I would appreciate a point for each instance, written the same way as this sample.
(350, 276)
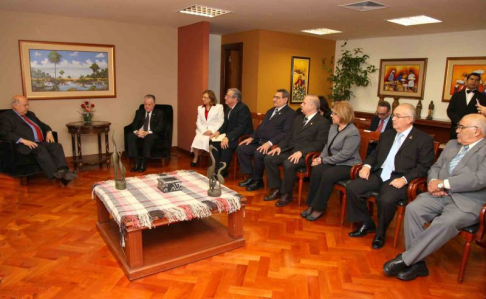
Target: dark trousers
(244, 153)
(322, 180)
(271, 165)
(50, 156)
(359, 190)
(147, 143)
(223, 155)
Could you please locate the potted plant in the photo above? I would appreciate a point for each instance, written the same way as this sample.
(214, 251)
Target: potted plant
(351, 69)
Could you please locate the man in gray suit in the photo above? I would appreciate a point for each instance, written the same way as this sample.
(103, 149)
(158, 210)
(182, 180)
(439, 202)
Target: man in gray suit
(456, 192)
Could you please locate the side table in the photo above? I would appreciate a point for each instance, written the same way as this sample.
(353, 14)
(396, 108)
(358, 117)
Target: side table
(76, 129)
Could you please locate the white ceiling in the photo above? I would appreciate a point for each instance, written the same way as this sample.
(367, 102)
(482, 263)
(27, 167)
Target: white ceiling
(289, 16)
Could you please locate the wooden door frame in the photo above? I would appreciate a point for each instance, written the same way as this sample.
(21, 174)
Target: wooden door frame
(235, 46)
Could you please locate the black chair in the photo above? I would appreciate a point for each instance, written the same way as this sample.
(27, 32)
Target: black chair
(15, 164)
(163, 146)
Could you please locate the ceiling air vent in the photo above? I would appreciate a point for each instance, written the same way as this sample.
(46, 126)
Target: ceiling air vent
(364, 6)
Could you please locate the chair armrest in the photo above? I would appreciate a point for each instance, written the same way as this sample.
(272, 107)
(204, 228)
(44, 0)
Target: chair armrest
(482, 223)
(308, 161)
(414, 186)
(355, 170)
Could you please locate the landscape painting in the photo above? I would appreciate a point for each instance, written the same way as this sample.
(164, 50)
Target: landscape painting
(63, 70)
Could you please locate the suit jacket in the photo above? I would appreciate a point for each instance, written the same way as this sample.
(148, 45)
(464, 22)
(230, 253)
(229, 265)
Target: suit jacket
(274, 129)
(214, 121)
(344, 148)
(156, 121)
(413, 159)
(12, 128)
(458, 108)
(238, 123)
(375, 121)
(309, 138)
(468, 179)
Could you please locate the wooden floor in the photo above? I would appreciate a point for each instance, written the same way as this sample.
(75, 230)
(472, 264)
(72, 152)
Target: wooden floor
(49, 248)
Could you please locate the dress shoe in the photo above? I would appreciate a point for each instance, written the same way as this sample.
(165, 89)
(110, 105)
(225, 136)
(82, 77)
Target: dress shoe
(414, 271)
(256, 185)
(363, 230)
(378, 242)
(135, 167)
(143, 166)
(284, 200)
(193, 164)
(306, 213)
(67, 177)
(316, 216)
(275, 194)
(246, 182)
(394, 266)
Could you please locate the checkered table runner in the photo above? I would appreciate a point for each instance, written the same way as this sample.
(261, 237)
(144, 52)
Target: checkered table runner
(142, 202)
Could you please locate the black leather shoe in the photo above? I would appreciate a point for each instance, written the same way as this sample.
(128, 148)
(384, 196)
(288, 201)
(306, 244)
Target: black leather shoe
(414, 271)
(256, 185)
(363, 230)
(284, 200)
(135, 167)
(306, 213)
(378, 242)
(246, 182)
(394, 266)
(315, 217)
(275, 194)
(143, 166)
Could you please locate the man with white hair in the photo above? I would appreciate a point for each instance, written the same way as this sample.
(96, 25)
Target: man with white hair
(456, 191)
(33, 136)
(401, 155)
(308, 134)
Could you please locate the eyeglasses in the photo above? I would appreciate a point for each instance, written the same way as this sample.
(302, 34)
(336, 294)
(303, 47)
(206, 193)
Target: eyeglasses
(399, 116)
(381, 114)
(277, 97)
(461, 127)
(334, 114)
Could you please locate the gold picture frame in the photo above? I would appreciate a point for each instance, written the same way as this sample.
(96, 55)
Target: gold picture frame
(457, 69)
(299, 79)
(402, 78)
(57, 70)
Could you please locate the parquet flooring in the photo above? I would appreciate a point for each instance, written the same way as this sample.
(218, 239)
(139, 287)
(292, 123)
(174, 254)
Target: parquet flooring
(49, 248)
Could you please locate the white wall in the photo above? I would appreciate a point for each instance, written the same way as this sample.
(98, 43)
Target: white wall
(435, 47)
(146, 62)
(214, 81)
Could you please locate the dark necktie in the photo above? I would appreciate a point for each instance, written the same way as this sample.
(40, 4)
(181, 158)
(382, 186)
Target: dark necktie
(146, 122)
(305, 121)
(274, 112)
(36, 127)
(380, 126)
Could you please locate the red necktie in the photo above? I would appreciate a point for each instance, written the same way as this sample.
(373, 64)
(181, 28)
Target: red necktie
(380, 126)
(36, 127)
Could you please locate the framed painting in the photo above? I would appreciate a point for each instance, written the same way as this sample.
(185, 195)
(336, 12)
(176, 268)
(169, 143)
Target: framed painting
(299, 79)
(53, 70)
(403, 78)
(457, 70)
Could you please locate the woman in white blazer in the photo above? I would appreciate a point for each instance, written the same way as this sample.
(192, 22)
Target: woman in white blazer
(210, 117)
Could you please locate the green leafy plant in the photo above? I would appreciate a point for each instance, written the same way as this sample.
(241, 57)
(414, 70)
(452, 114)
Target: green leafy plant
(351, 70)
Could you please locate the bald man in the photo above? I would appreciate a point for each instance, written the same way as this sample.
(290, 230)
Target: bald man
(33, 136)
(456, 191)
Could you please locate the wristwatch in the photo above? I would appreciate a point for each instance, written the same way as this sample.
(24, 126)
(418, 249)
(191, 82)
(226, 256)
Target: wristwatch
(440, 185)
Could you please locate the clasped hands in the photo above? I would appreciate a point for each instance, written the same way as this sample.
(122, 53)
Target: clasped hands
(434, 190)
(141, 133)
(32, 144)
(398, 183)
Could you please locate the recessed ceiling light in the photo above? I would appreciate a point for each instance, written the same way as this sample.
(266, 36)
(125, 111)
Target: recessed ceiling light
(416, 20)
(204, 11)
(321, 31)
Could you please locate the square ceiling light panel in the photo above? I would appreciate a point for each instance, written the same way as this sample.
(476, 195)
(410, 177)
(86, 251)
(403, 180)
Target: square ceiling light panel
(204, 11)
(321, 31)
(416, 20)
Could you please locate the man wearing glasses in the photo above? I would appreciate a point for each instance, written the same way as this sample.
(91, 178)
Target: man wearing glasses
(456, 191)
(381, 121)
(401, 155)
(275, 125)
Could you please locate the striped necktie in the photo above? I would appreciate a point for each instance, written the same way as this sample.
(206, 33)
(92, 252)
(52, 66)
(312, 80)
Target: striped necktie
(458, 158)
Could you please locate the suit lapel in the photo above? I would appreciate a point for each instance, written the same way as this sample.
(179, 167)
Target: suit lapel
(467, 157)
(407, 140)
(310, 123)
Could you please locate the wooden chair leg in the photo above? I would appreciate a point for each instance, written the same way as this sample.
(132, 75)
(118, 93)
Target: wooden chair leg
(235, 165)
(344, 201)
(398, 228)
(24, 180)
(301, 185)
(465, 257)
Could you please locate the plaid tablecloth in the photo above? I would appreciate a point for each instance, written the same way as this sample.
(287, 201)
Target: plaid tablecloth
(143, 203)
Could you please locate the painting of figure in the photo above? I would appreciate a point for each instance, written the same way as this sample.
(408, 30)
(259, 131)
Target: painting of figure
(299, 79)
(404, 78)
(457, 70)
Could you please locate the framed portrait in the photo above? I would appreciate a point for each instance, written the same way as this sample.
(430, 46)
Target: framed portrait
(457, 70)
(299, 79)
(53, 70)
(403, 78)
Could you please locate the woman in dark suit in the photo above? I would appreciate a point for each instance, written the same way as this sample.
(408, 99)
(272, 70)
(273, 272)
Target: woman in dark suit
(334, 164)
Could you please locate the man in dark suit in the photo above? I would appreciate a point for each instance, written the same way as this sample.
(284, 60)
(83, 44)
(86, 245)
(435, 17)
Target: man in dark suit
(275, 125)
(308, 134)
(381, 122)
(464, 102)
(401, 155)
(33, 136)
(146, 127)
(237, 122)
(456, 192)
